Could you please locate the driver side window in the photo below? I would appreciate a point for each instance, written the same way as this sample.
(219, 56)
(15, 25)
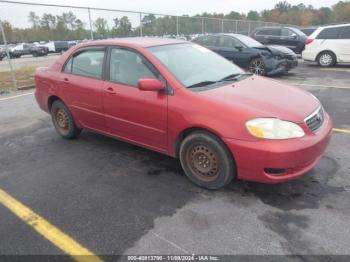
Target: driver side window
(128, 67)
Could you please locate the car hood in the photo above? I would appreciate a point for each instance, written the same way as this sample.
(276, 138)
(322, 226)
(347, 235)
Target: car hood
(277, 49)
(261, 97)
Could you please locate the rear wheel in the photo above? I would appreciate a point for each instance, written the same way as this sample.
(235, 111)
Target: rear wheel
(326, 59)
(63, 121)
(257, 66)
(206, 160)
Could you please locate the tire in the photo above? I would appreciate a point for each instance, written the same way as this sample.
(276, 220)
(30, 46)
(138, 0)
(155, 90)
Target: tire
(206, 160)
(63, 121)
(257, 66)
(326, 59)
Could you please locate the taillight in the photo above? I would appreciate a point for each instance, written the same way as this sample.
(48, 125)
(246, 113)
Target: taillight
(308, 41)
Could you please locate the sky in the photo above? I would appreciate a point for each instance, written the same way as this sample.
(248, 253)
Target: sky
(17, 14)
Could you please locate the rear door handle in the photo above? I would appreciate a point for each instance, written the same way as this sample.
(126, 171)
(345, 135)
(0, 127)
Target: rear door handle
(65, 79)
(110, 90)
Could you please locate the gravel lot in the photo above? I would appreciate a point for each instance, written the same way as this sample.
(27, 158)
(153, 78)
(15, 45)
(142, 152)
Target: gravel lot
(116, 198)
(25, 61)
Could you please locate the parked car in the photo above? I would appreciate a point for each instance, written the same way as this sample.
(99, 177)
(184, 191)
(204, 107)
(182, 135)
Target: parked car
(184, 100)
(308, 30)
(27, 49)
(249, 54)
(328, 45)
(2, 54)
(290, 37)
(57, 46)
(71, 43)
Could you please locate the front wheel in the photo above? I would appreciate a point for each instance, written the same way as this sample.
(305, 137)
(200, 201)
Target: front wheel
(63, 121)
(257, 66)
(206, 160)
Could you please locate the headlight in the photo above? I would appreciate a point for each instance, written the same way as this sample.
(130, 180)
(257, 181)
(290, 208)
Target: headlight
(278, 57)
(273, 128)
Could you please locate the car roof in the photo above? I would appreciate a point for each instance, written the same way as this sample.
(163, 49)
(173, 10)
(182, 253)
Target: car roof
(137, 41)
(309, 27)
(275, 27)
(338, 25)
(227, 34)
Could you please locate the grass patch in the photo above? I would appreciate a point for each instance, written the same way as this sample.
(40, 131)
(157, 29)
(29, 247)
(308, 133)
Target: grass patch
(24, 77)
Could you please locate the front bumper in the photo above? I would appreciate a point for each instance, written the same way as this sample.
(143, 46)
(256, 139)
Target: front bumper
(294, 156)
(274, 67)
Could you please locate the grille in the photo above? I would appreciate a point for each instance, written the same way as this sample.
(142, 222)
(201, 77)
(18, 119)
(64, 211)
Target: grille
(315, 120)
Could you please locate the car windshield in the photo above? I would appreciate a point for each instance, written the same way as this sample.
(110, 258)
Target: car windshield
(194, 65)
(248, 41)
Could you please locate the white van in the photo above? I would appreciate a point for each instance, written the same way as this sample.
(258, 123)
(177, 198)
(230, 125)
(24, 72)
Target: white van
(328, 45)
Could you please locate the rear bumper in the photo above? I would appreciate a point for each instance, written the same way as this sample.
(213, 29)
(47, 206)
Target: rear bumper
(295, 157)
(41, 99)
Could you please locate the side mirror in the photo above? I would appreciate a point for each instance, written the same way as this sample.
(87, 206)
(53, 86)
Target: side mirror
(239, 47)
(150, 84)
(294, 36)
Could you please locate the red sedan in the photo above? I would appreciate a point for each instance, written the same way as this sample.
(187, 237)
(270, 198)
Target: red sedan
(185, 101)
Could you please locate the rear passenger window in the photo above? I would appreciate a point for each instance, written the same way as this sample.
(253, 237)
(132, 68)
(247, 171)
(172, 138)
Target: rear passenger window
(228, 42)
(329, 33)
(345, 32)
(208, 40)
(263, 32)
(275, 31)
(269, 31)
(88, 63)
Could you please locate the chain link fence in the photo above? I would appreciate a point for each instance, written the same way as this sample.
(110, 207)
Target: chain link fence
(46, 24)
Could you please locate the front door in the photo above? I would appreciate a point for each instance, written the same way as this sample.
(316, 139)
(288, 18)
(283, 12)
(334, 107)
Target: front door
(289, 38)
(131, 114)
(233, 50)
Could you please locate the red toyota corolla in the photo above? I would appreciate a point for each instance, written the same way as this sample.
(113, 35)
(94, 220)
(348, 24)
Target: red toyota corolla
(185, 101)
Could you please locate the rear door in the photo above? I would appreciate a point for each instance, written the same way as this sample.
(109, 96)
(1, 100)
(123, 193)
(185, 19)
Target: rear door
(268, 36)
(344, 44)
(81, 84)
(274, 37)
(131, 114)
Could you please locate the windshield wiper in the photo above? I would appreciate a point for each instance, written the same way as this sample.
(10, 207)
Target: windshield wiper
(234, 77)
(231, 77)
(204, 83)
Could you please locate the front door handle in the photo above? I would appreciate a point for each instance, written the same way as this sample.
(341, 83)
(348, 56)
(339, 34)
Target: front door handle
(110, 90)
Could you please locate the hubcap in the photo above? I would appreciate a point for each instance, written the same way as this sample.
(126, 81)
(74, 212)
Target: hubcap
(326, 59)
(257, 67)
(62, 120)
(203, 162)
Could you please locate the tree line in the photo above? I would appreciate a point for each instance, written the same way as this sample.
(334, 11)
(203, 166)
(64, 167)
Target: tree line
(68, 27)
